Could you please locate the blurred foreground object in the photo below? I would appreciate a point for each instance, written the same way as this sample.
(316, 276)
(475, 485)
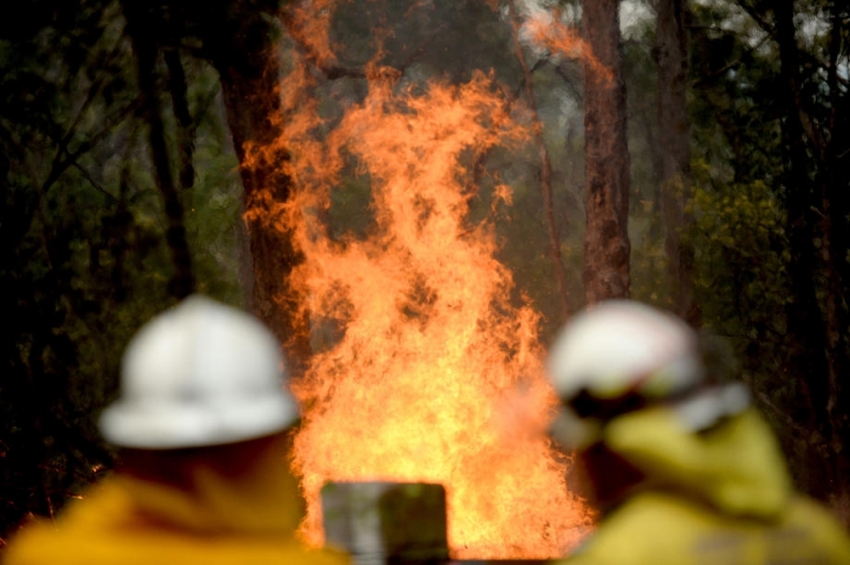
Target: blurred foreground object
(203, 477)
(386, 522)
(682, 469)
(393, 523)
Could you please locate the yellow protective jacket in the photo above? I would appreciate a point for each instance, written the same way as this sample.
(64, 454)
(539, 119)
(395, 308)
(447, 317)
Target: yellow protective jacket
(719, 497)
(217, 516)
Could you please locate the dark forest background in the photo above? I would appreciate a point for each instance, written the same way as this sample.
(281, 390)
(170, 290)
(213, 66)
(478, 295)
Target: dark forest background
(724, 140)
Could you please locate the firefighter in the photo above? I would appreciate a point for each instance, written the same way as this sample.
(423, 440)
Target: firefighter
(202, 425)
(681, 468)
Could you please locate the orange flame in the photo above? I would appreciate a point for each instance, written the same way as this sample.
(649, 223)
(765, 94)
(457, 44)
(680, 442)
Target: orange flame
(547, 32)
(426, 371)
(308, 24)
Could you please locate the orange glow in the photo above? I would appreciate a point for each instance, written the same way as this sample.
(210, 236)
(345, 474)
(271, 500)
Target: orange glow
(308, 23)
(551, 34)
(425, 370)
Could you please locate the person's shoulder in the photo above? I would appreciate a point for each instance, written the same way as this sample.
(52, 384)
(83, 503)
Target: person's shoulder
(33, 544)
(804, 513)
(649, 509)
(60, 539)
(648, 527)
(246, 551)
(630, 534)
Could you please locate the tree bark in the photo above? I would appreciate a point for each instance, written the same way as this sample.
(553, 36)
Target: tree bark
(139, 22)
(674, 138)
(240, 47)
(606, 246)
(834, 232)
(807, 338)
(180, 102)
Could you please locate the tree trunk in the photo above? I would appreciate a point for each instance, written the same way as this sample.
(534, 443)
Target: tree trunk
(545, 170)
(139, 22)
(185, 130)
(241, 49)
(674, 137)
(834, 234)
(807, 328)
(606, 245)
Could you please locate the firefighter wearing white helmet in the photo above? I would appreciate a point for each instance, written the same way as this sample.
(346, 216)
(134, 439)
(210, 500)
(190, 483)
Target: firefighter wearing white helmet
(201, 374)
(202, 425)
(621, 355)
(681, 468)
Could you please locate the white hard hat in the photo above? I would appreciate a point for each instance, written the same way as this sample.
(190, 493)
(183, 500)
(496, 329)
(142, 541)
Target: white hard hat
(621, 355)
(618, 347)
(201, 373)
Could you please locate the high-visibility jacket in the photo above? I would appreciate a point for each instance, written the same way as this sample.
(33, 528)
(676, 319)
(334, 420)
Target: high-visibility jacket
(722, 496)
(209, 514)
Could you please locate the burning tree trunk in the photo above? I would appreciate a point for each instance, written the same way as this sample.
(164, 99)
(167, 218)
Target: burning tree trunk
(240, 48)
(674, 137)
(606, 247)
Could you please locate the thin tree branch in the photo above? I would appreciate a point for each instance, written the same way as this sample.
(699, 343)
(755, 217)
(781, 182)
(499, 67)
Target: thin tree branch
(93, 182)
(545, 169)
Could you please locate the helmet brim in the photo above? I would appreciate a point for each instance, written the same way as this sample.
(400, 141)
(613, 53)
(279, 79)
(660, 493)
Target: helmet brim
(169, 425)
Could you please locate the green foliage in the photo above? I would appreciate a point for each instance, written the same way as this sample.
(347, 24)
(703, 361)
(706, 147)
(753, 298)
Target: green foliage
(82, 238)
(741, 253)
(765, 200)
(57, 226)
(735, 73)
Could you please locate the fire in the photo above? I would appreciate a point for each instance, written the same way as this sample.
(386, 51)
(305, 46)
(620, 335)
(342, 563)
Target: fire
(426, 370)
(551, 34)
